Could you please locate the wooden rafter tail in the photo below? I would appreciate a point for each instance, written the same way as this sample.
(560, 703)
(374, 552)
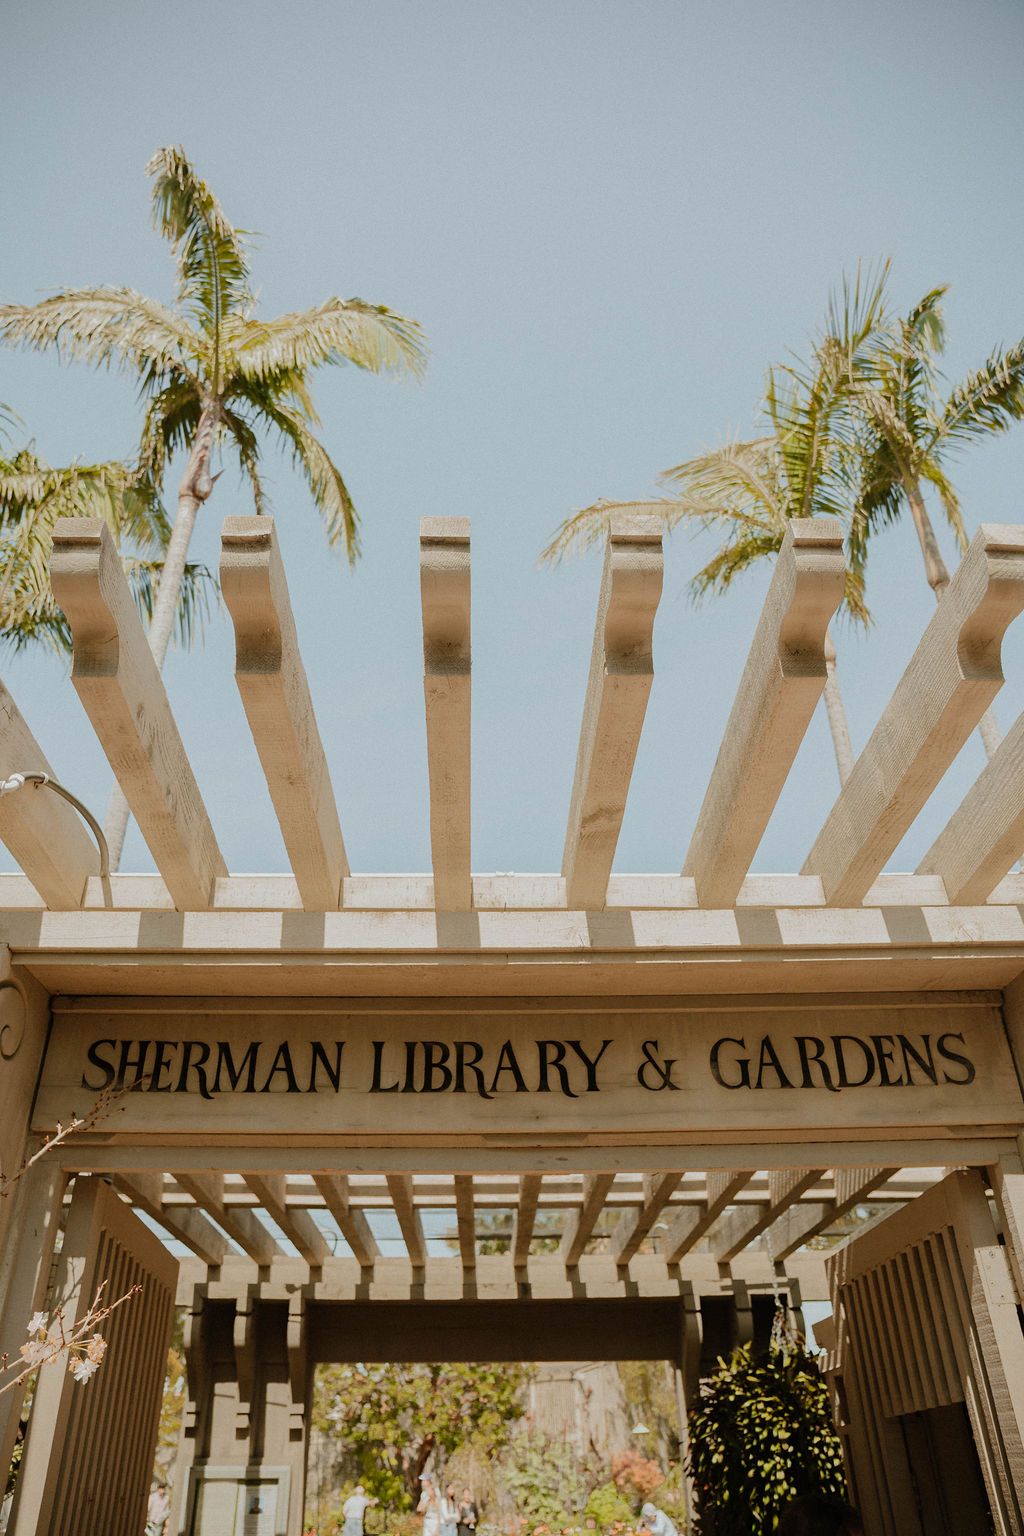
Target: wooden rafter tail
(298, 1226)
(400, 1188)
(120, 686)
(274, 690)
(633, 1227)
(618, 688)
(984, 837)
(352, 1224)
(41, 830)
(241, 1225)
(466, 1219)
(525, 1217)
(580, 1226)
(184, 1222)
(806, 1219)
(447, 681)
(778, 692)
(785, 1186)
(950, 681)
(692, 1224)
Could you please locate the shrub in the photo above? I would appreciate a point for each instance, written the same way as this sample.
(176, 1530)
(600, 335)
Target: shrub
(636, 1477)
(609, 1507)
(761, 1435)
(547, 1479)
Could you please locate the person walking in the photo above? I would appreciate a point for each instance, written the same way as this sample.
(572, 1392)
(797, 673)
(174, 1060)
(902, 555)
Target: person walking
(468, 1513)
(429, 1507)
(157, 1510)
(449, 1512)
(353, 1511)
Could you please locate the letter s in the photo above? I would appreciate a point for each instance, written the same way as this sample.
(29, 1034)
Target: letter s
(97, 1061)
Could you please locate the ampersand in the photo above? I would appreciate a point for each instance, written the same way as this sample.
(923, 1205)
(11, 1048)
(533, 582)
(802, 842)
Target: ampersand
(661, 1069)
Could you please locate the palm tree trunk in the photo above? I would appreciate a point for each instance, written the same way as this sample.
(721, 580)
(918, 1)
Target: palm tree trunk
(837, 713)
(194, 489)
(937, 573)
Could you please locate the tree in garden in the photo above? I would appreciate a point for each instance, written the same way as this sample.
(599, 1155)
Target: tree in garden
(210, 371)
(548, 1479)
(762, 1434)
(393, 1417)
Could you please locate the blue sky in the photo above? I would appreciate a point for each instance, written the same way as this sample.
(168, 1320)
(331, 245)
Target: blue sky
(609, 218)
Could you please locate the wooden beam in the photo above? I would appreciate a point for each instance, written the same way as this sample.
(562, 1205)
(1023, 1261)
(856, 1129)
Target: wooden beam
(525, 1217)
(778, 693)
(42, 831)
(120, 686)
(619, 685)
(785, 1185)
(633, 1226)
(951, 680)
(243, 1228)
(444, 593)
(984, 837)
(272, 683)
(352, 1224)
(686, 1230)
(805, 1220)
(581, 1223)
(271, 1190)
(189, 1226)
(400, 1188)
(466, 1219)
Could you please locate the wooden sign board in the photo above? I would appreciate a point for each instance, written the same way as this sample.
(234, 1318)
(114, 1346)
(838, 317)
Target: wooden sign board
(753, 1067)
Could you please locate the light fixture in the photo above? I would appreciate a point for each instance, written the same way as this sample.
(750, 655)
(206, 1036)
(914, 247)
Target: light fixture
(38, 780)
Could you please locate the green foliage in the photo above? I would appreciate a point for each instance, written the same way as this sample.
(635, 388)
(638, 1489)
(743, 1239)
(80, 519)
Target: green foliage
(650, 1392)
(172, 1403)
(609, 1506)
(547, 1479)
(762, 1434)
(392, 1417)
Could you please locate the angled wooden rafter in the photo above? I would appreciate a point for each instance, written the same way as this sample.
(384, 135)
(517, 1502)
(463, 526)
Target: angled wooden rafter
(298, 1226)
(525, 1216)
(633, 1226)
(400, 1188)
(619, 685)
(581, 1223)
(804, 1220)
(984, 837)
(352, 1223)
(243, 1228)
(785, 1186)
(272, 683)
(692, 1223)
(185, 1222)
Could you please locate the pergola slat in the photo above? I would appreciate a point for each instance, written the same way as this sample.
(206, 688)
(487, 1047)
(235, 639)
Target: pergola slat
(271, 1190)
(465, 1218)
(581, 1223)
(272, 683)
(242, 1226)
(352, 1223)
(447, 682)
(525, 1217)
(633, 1226)
(400, 1188)
(686, 1230)
(805, 1220)
(984, 837)
(784, 1187)
(778, 693)
(43, 832)
(184, 1222)
(951, 680)
(120, 686)
(618, 687)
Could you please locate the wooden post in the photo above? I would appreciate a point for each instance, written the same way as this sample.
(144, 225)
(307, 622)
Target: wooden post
(444, 589)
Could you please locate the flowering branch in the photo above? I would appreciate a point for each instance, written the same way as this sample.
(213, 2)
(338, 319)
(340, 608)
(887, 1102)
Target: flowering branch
(51, 1339)
(103, 1106)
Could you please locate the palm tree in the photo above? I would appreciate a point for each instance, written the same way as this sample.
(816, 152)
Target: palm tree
(908, 431)
(210, 371)
(803, 466)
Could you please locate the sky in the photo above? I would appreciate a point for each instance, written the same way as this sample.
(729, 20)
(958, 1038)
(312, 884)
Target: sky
(609, 218)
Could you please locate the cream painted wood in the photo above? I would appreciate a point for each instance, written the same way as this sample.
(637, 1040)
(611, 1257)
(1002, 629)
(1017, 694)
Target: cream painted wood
(805, 1220)
(352, 1223)
(298, 1226)
(743, 1226)
(121, 688)
(275, 693)
(42, 831)
(400, 1188)
(581, 1224)
(951, 680)
(447, 682)
(687, 1229)
(778, 693)
(184, 1222)
(243, 1228)
(633, 1227)
(984, 837)
(619, 685)
(466, 1219)
(530, 1185)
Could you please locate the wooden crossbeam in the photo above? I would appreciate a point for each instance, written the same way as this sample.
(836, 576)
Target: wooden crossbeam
(120, 686)
(984, 837)
(619, 685)
(242, 1226)
(780, 688)
(784, 1187)
(43, 832)
(951, 680)
(272, 684)
(686, 1230)
(465, 1218)
(271, 1190)
(633, 1226)
(400, 1188)
(525, 1216)
(352, 1223)
(189, 1226)
(445, 594)
(581, 1223)
(806, 1219)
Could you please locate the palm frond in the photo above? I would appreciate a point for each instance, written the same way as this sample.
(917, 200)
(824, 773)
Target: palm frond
(247, 447)
(169, 425)
(931, 470)
(213, 270)
(339, 330)
(104, 326)
(990, 399)
(589, 527)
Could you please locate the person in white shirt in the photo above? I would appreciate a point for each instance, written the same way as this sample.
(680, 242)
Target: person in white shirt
(157, 1510)
(429, 1507)
(657, 1522)
(353, 1509)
